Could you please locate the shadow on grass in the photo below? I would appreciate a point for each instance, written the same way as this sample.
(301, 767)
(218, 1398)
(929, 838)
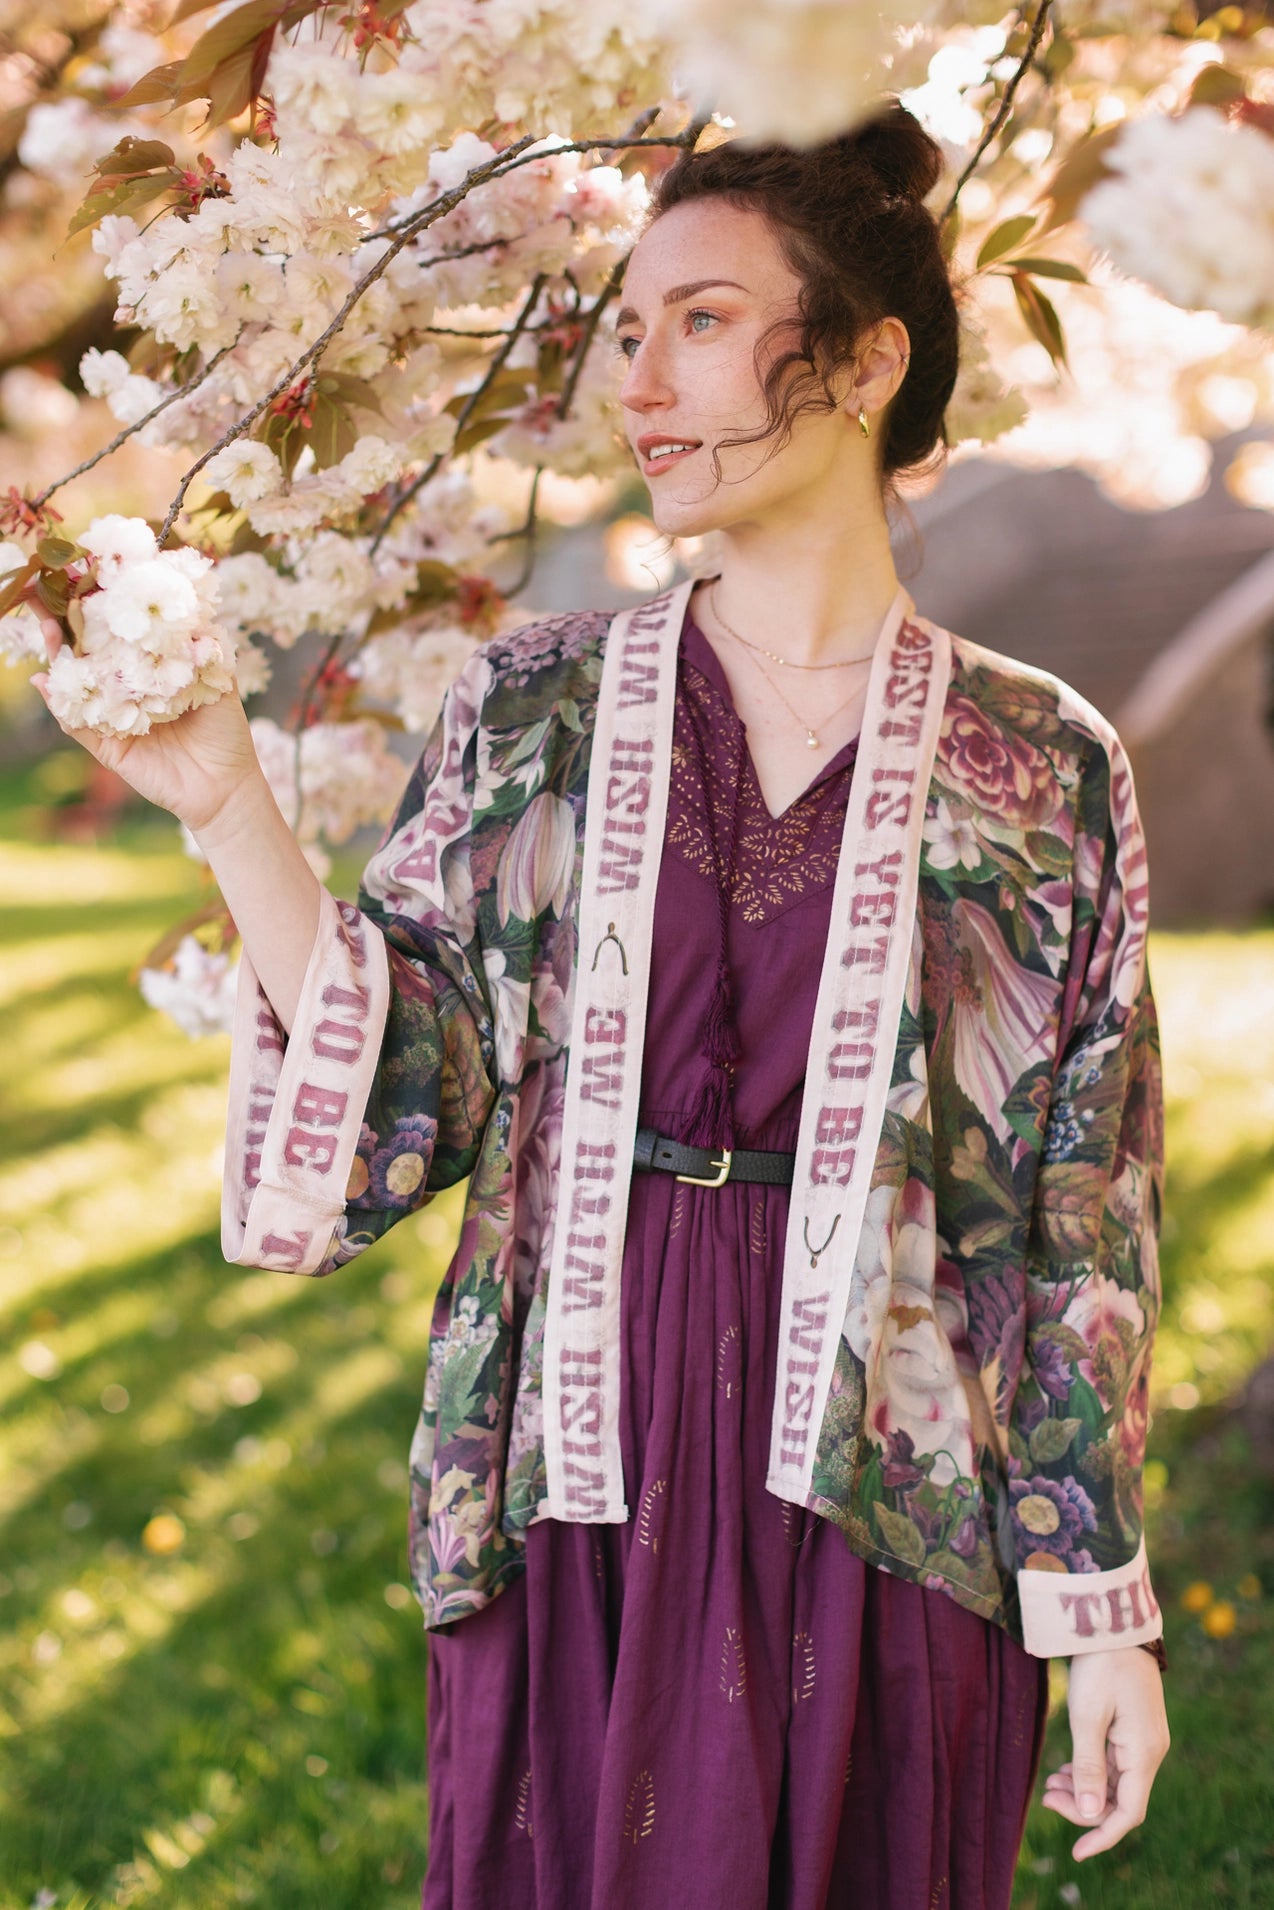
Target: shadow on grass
(263, 1719)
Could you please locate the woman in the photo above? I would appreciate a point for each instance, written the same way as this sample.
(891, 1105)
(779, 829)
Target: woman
(772, 964)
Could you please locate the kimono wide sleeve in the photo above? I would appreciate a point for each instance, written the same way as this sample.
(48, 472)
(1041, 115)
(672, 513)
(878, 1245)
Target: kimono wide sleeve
(378, 1097)
(1078, 1427)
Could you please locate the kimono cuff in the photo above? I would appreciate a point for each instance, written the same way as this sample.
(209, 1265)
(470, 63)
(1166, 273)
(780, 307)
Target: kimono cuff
(1064, 1613)
(296, 1102)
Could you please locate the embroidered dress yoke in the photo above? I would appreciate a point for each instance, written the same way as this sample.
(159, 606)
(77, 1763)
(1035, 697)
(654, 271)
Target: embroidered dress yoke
(719, 1702)
(968, 1287)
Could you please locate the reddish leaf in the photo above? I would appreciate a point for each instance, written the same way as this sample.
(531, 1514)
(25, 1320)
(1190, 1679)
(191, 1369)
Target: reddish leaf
(14, 587)
(1077, 174)
(126, 197)
(188, 9)
(350, 390)
(1217, 86)
(57, 552)
(130, 156)
(230, 87)
(1004, 238)
(1049, 268)
(1041, 317)
(333, 432)
(162, 82)
(52, 589)
(213, 914)
(230, 36)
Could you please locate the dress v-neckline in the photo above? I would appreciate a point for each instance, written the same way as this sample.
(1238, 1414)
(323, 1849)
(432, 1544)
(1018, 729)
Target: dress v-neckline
(699, 652)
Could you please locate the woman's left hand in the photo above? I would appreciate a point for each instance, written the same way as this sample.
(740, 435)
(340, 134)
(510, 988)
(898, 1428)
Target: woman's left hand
(1119, 1738)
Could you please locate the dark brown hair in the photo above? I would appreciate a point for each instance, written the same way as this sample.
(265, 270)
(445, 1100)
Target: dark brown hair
(850, 218)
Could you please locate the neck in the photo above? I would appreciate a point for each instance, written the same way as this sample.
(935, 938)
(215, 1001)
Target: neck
(815, 589)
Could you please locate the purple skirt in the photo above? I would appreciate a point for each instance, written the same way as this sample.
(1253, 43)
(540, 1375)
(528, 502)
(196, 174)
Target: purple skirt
(718, 1703)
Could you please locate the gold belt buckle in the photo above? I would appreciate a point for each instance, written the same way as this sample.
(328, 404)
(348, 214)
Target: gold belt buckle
(693, 1180)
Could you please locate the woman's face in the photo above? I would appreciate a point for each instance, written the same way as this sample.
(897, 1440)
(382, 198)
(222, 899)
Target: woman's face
(704, 284)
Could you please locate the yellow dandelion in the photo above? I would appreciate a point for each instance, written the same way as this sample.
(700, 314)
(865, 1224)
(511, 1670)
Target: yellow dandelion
(1219, 1619)
(1249, 1586)
(1197, 1597)
(163, 1533)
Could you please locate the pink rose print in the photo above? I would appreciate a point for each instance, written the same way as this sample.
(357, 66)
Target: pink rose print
(1003, 775)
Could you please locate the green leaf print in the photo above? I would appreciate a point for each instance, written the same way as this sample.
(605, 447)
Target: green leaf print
(1050, 1439)
(901, 1536)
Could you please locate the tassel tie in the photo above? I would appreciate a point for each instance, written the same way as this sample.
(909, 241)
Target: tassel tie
(711, 1121)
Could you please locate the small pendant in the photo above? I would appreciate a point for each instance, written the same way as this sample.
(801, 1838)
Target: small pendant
(811, 741)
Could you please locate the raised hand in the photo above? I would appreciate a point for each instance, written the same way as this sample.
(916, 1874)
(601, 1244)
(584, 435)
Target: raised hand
(191, 766)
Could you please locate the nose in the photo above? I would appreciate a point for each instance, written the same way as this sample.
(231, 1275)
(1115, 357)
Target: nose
(645, 387)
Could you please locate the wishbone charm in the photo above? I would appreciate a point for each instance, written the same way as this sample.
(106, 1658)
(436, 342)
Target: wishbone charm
(610, 936)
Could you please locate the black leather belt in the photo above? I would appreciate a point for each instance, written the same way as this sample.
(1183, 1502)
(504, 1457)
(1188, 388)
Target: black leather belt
(704, 1167)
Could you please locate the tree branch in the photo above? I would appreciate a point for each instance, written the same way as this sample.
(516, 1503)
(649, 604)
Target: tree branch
(1002, 110)
(498, 360)
(122, 437)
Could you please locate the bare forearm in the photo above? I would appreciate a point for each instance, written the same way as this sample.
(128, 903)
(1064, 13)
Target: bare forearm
(269, 888)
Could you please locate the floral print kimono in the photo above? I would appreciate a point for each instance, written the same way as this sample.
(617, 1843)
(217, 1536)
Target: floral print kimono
(977, 1417)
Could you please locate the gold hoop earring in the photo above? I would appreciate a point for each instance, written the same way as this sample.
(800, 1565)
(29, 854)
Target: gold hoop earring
(863, 425)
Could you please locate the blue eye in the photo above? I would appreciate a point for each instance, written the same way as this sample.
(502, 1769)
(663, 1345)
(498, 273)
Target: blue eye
(626, 347)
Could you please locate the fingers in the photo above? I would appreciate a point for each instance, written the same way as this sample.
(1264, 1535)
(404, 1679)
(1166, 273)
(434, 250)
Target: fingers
(1090, 1772)
(51, 630)
(1125, 1808)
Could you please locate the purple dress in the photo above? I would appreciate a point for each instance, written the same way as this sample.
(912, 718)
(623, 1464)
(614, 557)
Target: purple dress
(718, 1703)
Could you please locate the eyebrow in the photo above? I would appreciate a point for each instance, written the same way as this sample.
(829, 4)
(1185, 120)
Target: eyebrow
(679, 294)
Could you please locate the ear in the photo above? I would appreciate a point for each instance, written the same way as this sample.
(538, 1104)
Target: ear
(881, 366)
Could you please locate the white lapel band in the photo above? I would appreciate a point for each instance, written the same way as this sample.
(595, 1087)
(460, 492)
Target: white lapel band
(850, 1060)
(625, 813)
(855, 1031)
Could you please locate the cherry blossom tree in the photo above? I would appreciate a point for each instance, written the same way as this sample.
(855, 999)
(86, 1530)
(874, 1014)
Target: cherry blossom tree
(354, 270)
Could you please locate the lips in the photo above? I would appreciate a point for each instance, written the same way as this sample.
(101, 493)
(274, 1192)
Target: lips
(661, 449)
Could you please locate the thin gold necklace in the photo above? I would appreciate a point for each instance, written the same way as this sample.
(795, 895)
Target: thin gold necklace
(841, 663)
(811, 735)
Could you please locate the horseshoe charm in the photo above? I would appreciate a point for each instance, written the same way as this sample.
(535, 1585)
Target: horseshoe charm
(816, 1253)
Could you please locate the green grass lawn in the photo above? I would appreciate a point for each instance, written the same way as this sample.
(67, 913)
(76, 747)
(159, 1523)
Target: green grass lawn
(211, 1670)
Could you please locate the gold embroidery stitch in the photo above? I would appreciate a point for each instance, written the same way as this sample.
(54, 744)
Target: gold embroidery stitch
(639, 1809)
(802, 1667)
(779, 859)
(729, 1361)
(647, 1532)
(734, 1670)
(793, 1522)
(522, 1815)
(756, 1230)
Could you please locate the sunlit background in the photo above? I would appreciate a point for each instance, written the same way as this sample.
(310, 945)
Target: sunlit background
(212, 1670)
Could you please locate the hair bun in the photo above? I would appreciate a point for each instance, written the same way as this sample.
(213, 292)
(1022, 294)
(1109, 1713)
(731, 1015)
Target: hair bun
(906, 159)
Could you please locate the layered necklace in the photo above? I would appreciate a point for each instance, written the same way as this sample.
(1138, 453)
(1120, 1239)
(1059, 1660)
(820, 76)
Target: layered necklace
(759, 650)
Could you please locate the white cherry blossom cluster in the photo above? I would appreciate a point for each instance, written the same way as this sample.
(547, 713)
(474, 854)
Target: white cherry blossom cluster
(196, 989)
(795, 70)
(348, 777)
(357, 145)
(146, 645)
(551, 66)
(1190, 211)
